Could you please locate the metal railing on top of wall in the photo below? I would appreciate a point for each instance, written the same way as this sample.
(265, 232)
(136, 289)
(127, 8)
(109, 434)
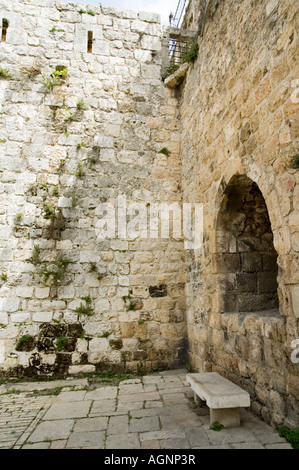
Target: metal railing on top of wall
(177, 47)
(175, 20)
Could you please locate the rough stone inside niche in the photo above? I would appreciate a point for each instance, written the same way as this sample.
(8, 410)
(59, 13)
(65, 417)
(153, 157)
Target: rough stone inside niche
(248, 260)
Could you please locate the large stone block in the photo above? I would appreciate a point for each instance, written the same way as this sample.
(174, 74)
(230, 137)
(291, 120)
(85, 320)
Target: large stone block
(9, 304)
(25, 292)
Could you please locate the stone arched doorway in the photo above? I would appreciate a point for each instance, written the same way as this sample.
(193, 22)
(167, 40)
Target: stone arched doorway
(247, 259)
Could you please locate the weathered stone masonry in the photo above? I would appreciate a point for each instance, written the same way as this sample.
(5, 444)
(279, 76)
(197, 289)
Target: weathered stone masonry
(84, 117)
(228, 125)
(239, 121)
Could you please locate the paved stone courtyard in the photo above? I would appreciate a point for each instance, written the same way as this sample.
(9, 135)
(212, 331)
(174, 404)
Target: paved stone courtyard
(150, 412)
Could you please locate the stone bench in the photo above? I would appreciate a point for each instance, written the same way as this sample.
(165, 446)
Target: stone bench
(223, 397)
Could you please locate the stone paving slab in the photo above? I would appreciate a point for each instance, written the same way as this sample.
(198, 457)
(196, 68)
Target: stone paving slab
(153, 412)
(52, 430)
(86, 440)
(73, 409)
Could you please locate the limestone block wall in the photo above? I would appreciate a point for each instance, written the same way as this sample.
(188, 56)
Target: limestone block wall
(239, 121)
(84, 117)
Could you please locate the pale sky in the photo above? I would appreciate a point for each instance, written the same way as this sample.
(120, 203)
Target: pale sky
(162, 7)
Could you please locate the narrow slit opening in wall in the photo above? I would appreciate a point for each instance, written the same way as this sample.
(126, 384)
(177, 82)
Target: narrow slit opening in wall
(89, 41)
(5, 25)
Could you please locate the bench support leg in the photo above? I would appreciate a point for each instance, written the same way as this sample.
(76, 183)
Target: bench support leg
(228, 417)
(198, 401)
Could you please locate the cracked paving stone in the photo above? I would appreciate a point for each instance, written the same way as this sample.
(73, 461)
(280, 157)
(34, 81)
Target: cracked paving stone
(52, 430)
(74, 409)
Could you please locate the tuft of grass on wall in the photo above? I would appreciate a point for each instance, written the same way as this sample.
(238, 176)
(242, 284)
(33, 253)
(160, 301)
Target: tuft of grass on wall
(4, 73)
(295, 162)
(191, 52)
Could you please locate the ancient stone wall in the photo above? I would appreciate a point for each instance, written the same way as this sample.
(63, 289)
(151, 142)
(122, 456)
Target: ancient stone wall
(88, 130)
(239, 121)
(91, 139)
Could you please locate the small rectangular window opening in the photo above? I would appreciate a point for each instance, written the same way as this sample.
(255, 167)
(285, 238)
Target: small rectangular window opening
(5, 25)
(89, 41)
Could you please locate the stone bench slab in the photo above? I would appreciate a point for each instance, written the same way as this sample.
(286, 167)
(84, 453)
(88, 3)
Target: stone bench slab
(217, 391)
(223, 397)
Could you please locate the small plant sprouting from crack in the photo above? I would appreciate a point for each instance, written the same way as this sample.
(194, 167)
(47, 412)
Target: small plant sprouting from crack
(81, 105)
(94, 269)
(18, 217)
(87, 299)
(80, 170)
(55, 191)
(49, 211)
(172, 67)
(85, 308)
(55, 78)
(70, 117)
(295, 162)
(58, 30)
(191, 52)
(92, 160)
(61, 343)
(105, 334)
(165, 151)
(55, 216)
(81, 144)
(4, 73)
(49, 82)
(131, 304)
(55, 270)
(3, 277)
(61, 165)
(215, 426)
(35, 255)
(291, 436)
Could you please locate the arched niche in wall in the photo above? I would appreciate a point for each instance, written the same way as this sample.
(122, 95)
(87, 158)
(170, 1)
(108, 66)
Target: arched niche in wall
(246, 257)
